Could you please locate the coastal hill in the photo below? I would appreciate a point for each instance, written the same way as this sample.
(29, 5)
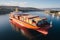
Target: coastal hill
(8, 9)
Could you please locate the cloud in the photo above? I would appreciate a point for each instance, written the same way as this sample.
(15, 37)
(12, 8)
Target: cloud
(23, 4)
(12, 3)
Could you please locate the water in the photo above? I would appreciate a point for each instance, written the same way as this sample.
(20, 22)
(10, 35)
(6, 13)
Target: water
(7, 33)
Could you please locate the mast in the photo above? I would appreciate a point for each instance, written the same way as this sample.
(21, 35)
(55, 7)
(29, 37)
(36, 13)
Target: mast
(16, 9)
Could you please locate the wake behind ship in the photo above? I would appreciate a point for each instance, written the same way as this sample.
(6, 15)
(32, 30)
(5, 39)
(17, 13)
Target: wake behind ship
(28, 21)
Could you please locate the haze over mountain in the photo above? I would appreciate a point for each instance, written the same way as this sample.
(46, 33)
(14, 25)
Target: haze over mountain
(8, 9)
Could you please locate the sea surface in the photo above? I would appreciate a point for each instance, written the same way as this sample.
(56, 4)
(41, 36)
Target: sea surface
(7, 32)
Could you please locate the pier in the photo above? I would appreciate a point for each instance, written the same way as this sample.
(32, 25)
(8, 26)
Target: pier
(53, 11)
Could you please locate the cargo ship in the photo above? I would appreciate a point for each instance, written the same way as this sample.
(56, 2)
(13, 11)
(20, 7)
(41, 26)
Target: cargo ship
(29, 21)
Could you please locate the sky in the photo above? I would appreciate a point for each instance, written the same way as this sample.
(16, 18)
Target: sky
(32, 3)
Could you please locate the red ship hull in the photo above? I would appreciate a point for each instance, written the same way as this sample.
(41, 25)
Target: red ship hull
(21, 26)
